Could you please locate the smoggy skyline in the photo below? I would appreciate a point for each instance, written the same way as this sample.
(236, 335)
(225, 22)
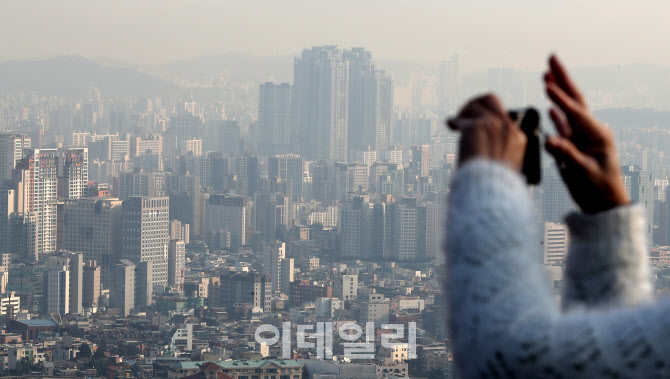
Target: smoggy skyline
(486, 33)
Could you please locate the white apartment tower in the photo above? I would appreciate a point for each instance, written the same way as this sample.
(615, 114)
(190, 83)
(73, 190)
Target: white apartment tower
(36, 179)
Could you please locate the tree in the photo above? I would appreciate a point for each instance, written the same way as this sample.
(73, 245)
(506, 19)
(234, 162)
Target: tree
(99, 352)
(85, 350)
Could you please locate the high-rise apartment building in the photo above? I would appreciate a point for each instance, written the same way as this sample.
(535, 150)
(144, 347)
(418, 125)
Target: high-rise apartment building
(93, 226)
(370, 102)
(273, 257)
(72, 172)
(640, 186)
(12, 149)
(36, 180)
(145, 234)
(176, 263)
(321, 104)
(274, 117)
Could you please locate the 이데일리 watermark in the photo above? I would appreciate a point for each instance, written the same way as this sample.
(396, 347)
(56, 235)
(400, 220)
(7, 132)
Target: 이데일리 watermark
(355, 345)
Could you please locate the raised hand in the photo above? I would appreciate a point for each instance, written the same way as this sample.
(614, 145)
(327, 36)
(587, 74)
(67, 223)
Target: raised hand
(584, 149)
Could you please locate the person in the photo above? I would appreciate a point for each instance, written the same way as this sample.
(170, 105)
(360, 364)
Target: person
(503, 320)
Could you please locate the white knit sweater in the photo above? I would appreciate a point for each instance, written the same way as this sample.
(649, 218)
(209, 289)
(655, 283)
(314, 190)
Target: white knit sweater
(503, 321)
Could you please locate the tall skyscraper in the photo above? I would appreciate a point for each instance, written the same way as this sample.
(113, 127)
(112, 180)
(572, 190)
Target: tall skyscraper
(274, 116)
(640, 186)
(288, 167)
(12, 147)
(321, 104)
(145, 234)
(450, 77)
(93, 226)
(370, 102)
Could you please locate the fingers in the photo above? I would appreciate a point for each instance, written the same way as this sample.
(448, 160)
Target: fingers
(562, 78)
(560, 122)
(564, 151)
(572, 108)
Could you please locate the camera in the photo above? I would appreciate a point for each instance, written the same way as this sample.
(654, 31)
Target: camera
(528, 120)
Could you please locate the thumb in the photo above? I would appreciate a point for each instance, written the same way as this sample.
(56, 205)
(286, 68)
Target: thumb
(564, 151)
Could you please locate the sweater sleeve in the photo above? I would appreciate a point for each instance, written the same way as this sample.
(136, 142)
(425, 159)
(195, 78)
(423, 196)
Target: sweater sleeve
(607, 264)
(503, 321)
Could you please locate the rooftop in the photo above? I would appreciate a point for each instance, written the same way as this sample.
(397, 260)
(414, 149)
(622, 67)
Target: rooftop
(239, 364)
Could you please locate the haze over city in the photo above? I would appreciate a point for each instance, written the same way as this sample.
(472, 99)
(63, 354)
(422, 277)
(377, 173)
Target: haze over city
(485, 33)
(188, 186)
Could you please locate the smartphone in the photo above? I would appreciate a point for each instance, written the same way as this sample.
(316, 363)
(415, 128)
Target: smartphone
(528, 120)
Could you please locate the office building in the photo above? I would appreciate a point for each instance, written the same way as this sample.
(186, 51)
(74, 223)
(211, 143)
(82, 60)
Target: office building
(145, 234)
(278, 268)
(449, 86)
(252, 288)
(375, 308)
(227, 212)
(93, 227)
(91, 289)
(274, 116)
(122, 292)
(346, 286)
(288, 167)
(63, 281)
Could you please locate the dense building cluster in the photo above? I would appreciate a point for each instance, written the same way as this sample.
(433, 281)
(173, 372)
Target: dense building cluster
(153, 237)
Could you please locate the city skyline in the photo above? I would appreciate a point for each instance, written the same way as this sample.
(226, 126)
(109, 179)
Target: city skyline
(584, 33)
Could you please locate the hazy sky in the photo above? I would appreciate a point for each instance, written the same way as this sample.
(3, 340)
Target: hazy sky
(485, 33)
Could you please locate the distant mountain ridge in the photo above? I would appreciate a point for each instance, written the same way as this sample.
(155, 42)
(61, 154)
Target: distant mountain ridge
(75, 76)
